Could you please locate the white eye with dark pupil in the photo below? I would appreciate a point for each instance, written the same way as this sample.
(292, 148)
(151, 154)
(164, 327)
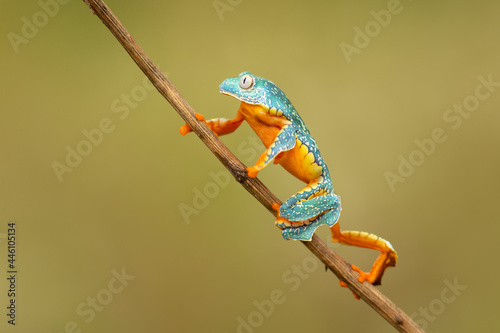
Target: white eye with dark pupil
(246, 81)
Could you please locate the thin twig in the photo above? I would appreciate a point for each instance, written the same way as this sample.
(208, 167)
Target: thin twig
(371, 295)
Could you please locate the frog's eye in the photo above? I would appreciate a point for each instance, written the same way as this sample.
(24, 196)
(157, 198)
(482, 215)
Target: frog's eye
(246, 81)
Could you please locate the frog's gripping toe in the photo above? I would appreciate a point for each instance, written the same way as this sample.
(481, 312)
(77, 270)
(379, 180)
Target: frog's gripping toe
(252, 172)
(384, 261)
(185, 129)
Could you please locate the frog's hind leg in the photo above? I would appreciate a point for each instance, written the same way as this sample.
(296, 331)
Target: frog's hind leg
(303, 213)
(387, 257)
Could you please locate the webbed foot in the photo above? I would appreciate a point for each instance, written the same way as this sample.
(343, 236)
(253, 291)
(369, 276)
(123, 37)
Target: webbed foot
(185, 129)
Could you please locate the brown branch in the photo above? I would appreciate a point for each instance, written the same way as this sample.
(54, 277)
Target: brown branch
(371, 295)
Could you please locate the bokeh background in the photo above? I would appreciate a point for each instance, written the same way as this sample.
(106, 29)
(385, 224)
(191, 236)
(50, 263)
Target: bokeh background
(190, 263)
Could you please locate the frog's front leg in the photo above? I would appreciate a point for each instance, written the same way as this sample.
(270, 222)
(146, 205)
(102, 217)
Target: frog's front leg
(284, 141)
(219, 126)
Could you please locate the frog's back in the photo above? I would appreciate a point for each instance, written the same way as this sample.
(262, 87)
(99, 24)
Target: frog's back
(276, 99)
(305, 160)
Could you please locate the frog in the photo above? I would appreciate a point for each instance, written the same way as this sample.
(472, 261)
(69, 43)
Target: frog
(288, 142)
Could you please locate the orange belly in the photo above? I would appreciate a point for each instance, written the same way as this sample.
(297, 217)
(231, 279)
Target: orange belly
(265, 125)
(298, 161)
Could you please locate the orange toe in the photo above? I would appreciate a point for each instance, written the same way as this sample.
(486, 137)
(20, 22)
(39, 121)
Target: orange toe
(276, 206)
(343, 284)
(252, 172)
(199, 116)
(356, 296)
(185, 129)
(362, 275)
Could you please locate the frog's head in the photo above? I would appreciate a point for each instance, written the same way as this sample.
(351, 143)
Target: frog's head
(254, 90)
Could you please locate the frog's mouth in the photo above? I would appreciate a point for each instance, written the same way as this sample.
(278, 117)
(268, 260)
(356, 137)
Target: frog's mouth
(244, 99)
(225, 92)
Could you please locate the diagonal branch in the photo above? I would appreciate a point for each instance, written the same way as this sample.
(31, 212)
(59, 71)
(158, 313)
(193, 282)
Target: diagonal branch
(385, 307)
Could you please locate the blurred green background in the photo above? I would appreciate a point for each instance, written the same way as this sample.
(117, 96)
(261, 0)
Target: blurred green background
(223, 266)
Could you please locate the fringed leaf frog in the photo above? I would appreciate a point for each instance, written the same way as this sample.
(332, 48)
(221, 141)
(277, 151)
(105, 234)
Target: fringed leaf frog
(288, 142)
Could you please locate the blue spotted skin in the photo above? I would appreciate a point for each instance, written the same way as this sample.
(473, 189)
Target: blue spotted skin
(314, 205)
(266, 94)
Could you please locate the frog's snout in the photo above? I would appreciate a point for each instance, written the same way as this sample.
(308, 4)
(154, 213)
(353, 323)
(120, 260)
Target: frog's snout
(223, 86)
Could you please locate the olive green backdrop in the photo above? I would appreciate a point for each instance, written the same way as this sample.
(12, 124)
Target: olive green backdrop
(123, 225)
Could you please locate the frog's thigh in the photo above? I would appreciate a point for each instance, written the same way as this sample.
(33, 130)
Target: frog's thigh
(309, 208)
